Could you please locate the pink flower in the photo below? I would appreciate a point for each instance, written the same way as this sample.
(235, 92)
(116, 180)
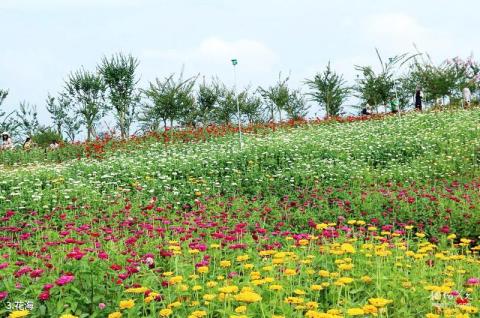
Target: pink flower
(102, 306)
(473, 281)
(3, 265)
(45, 295)
(65, 279)
(3, 295)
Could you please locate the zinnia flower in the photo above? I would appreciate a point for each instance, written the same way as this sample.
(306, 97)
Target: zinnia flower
(127, 304)
(65, 279)
(248, 297)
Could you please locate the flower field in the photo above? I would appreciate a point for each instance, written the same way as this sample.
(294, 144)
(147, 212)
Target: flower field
(368, 218)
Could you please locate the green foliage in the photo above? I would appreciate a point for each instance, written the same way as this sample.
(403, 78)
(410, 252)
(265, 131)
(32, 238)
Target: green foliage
(383, 88)
(44, 137)
(250, 105)
(169, 99)
(119, 76)
(226, 107)
(87, 91)
(276, 97)
(207, 99)
(329, 90)
(27, 119)
(7, 121)
(58, 109)
(297, 107)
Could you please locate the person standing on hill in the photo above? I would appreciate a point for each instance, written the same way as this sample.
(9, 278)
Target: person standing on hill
(418, 99)
(467, 97)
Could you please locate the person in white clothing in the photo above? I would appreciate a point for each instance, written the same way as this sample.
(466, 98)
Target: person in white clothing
(6, 141)
(467, 97)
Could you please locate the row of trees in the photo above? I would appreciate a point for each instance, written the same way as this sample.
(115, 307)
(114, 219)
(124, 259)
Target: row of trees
(112, 88)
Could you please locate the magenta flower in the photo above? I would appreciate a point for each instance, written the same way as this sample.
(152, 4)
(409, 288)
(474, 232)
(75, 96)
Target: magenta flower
(3, 295)
(473, 281)
(65, 279)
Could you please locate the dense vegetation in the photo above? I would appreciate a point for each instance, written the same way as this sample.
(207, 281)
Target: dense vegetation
(359, 217)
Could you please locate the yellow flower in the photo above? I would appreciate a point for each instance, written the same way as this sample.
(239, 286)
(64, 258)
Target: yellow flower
(379, 302)
(242, 258)
(366, 279)
(345, 267)
(197, 287)
(290, 272)
(248, 297)
(211, 284)
(430, 315)
(420, 235)
(303, 242)
(275, 287)
(68, 316)
(324, 273)
(209, 297)
(347, 248)
(139, 290)
(311, 305)
(299, 292)
(175, 304)
(202, 269)
(115, 314)
(18, 313)
(198, 314)
(228, 289)
(370, 309)
(343, 281)
(294, 300)
(316, 287)
(174, 280)
(225, 264)
(469, 309)
(277, 316)
(165, 312)
(355, 312)
(127, 304)
(321, 226)
(241, 309)
(238, 316)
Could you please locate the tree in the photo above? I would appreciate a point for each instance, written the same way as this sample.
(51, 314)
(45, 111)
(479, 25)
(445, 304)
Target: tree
(27, 119)
(118, 74)
(329, 90)
(170, 100)
(87, 91)
(380, 89)
(58, 109)
(207, 99)
(250, 105)
(276, 97)
(72, 125)
(297, 107)
(7, 122)
(226, 106)
(446, 79)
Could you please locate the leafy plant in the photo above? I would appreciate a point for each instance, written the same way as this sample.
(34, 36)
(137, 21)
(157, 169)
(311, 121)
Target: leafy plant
(87, 91)
(329, 90)
(118, 74)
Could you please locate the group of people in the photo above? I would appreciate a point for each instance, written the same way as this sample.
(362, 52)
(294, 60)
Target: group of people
(7, 143)
(467, 100)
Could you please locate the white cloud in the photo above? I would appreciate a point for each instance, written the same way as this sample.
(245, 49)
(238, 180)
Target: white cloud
(252, 55)
(397, 32)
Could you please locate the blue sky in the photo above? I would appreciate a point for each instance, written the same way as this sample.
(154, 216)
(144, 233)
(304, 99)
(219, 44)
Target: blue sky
(44, 40)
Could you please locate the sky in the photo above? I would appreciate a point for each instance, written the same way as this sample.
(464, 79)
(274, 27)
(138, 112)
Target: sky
(42, 41)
